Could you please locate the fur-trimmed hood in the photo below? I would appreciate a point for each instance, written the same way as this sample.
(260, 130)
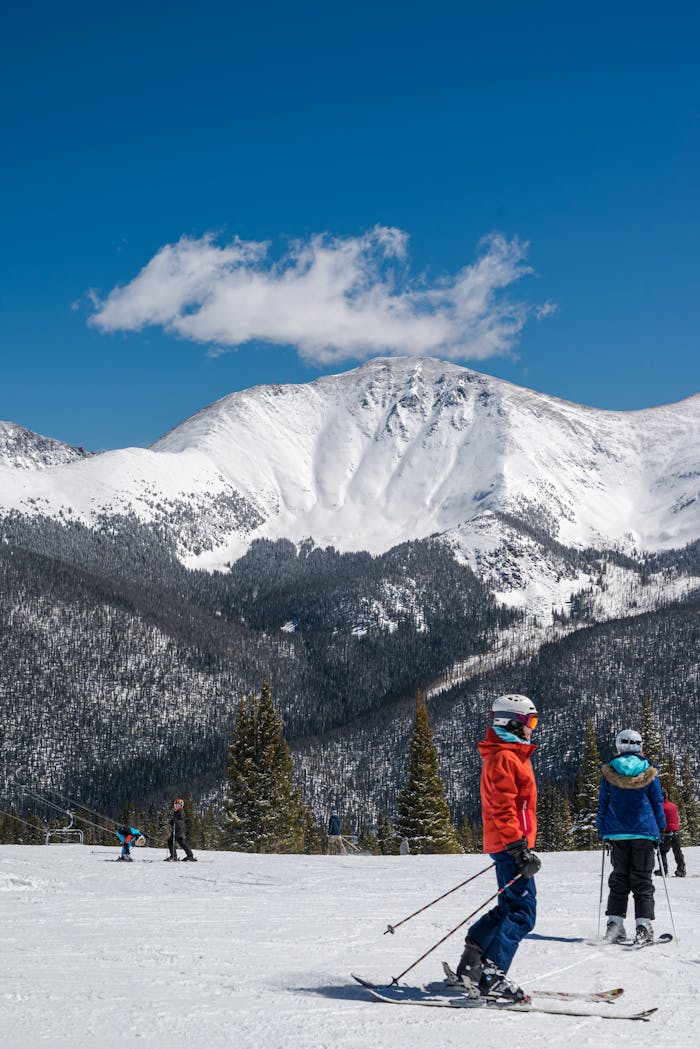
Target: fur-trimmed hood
(627, 782)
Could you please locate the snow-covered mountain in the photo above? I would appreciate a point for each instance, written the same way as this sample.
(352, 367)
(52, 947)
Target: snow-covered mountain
(397, 449)
(23, 450)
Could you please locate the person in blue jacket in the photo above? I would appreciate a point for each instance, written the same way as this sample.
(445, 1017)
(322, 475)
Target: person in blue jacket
(335, 836)
(631, 820)
(129, 836)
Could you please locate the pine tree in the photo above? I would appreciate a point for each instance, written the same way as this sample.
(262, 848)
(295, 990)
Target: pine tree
(584, 834)
(238, 831)
(263, 809)
(669, 781)
(210, 828)
(423, 814)
(151, 826)
(691, 805)
(386, 836)
(563, 823)
(651, 733)
(368, 842)
(470, 835)
(553, 819)
(193, 823)
(314, 842)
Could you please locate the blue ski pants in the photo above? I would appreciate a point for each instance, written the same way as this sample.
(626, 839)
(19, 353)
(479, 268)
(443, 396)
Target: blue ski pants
(501, 929)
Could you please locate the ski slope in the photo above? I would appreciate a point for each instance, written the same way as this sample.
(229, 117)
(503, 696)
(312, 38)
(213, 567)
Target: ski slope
(256, 951)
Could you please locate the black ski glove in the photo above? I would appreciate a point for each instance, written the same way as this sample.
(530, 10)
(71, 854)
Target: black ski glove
(526, 861)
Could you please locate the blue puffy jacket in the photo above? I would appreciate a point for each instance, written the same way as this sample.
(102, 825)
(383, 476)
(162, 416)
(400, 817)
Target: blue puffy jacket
(630, 800)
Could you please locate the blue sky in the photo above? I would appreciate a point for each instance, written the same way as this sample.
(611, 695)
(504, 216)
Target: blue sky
(196, 198)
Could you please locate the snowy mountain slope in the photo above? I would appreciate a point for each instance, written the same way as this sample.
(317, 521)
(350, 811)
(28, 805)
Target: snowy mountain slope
(23, 450)
(406, 448)
(187, 493)
(256, 951)
(395, 450)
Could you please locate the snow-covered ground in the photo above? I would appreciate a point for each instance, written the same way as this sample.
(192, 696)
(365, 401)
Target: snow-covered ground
(257, 951)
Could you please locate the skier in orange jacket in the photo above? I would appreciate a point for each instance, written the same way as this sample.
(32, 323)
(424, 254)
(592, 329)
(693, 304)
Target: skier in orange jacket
(509, 815)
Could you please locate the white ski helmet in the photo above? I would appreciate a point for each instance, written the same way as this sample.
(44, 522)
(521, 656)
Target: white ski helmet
(628, 742)
(513, 707)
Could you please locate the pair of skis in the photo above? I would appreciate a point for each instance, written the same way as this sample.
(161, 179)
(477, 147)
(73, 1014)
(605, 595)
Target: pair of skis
(449, 996)
(633, 945)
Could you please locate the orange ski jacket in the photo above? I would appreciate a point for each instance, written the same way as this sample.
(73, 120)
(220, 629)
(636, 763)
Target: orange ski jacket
(508, 792)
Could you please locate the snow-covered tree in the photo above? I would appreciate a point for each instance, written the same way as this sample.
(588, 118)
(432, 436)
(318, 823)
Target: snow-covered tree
(423, 814)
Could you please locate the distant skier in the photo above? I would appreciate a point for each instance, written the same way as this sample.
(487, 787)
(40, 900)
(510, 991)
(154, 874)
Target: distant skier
(129, 836)
(404, 847)
(335, 837)
(508, 809)
(176, 820)
(672, 840)
(630, 817)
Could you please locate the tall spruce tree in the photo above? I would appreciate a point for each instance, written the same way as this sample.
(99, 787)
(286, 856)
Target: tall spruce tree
(669, 782)
(553, 819)
(386, 836)
(583, 831)
(263, 809)
(651, 733)
(423, 814)
(691, 805)
(470, 835)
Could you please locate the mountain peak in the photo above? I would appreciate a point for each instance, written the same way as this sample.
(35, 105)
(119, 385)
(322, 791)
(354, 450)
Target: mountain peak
(394, 450)
(24, 450)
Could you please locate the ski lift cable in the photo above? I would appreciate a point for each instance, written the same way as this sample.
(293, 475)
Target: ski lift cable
(42, 800)
(78, 805)
(62, 809)
(13, 816)
(94, 812)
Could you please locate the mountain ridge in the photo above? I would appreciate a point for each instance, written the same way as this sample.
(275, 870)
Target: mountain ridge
(395, 450)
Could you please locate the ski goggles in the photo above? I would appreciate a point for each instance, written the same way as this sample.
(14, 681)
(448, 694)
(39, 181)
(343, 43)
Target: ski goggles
(528, 720)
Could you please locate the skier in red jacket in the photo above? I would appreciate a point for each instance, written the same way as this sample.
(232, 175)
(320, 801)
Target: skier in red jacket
(509, 815)
(671, 840)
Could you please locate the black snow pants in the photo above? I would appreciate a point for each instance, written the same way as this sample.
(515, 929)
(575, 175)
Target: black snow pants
(632, 863)
(180, 840)
(672, 840)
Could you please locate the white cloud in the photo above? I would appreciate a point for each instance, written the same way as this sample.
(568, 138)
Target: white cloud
(333, 298)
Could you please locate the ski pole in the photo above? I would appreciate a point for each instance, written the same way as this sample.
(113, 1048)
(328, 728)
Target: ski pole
(600, 901)
(668, 898)
(450, 933)
(392, 928)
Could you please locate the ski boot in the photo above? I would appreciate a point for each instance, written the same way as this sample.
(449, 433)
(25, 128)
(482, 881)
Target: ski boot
(615, 931)
(470, 968)
(658, 872)
(495, 985)
(680, 873)
(644, 932)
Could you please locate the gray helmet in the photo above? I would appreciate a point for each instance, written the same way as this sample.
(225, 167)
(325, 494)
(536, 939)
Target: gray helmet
(628, 742)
